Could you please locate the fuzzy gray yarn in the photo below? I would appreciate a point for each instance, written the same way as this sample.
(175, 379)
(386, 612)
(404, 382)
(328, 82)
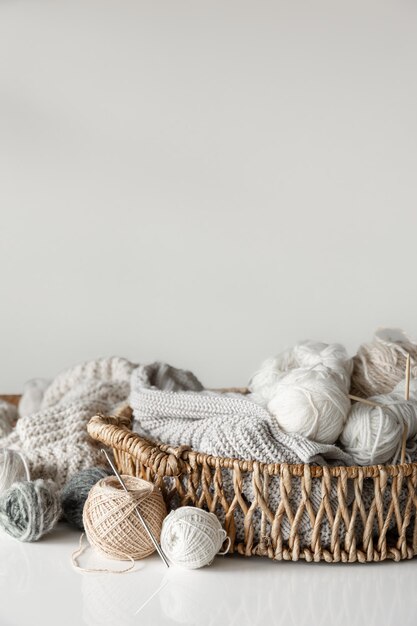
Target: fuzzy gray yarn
(28, 510)
(8, 415)
(166, 377)
(75, 494)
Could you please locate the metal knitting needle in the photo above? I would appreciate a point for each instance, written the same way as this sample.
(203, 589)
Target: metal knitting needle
(407, 397)
(138, 513)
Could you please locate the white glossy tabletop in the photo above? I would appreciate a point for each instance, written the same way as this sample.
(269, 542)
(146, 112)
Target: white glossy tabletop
(38, 585)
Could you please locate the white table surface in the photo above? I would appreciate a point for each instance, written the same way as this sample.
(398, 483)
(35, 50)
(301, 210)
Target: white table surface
(39, 586)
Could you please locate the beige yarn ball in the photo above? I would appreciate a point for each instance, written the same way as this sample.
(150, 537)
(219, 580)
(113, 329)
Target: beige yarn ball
(380, 365)
(110, 521)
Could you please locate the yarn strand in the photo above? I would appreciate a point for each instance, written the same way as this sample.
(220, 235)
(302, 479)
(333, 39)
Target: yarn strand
(82, 548)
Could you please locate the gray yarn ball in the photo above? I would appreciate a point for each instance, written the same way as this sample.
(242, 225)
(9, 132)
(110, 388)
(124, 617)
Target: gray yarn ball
(75, 494)
(29, 509)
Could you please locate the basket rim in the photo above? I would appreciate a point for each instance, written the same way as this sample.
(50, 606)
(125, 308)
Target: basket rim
(115, 431)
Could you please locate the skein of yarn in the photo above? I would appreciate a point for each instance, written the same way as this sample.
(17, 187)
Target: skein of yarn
(306, 390)
(373, 434)
(75, 493)
(111, 524)
(192, 537)
(13, 468)
(32, 396)
(28, 510)
(379, 365)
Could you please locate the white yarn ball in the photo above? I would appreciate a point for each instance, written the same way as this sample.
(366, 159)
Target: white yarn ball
(304, 355)
(13, 468)
(263, 383)
(191, 537)
(373, 434)
(306, 389)
(312, 403)
(33, 392)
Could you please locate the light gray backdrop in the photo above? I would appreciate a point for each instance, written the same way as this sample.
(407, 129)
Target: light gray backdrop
(203, 182)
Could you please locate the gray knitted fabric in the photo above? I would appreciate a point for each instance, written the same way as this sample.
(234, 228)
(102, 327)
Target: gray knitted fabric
(54, 440)
(222, 424)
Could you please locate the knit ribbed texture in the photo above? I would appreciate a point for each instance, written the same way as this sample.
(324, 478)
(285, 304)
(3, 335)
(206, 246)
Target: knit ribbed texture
(54, 440)
(221, 424)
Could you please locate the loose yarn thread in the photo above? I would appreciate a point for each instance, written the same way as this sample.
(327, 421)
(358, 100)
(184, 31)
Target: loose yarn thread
(28, 510)
(306, 390)
(111, 524)
(192, 537)
(13, 468)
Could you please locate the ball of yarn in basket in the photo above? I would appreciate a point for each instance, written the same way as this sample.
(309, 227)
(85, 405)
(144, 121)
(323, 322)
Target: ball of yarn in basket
(110, 521)
(75, 493)
(379, 365)
(310, 403)
(306, 389)
(13, 468)
(29, 509)
(191, 537)
(373, 434)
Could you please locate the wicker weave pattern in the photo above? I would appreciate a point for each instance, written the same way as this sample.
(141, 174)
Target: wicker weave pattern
(190, 478)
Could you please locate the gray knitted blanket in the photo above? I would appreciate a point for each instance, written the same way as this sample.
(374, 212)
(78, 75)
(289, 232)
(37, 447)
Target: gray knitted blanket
(221, 424)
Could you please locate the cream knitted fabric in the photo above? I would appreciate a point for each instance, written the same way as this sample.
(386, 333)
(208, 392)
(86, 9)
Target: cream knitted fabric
(54, 440)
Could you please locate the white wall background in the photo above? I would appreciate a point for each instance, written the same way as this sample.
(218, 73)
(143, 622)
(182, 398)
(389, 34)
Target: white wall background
(204, 182)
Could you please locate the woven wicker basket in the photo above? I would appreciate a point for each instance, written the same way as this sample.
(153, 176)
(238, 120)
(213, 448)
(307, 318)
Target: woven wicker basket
(186, 477)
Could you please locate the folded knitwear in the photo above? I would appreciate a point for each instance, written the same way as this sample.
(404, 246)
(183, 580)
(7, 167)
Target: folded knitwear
(221, 424)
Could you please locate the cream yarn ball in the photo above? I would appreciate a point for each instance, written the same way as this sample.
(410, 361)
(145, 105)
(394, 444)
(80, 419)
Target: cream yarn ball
(311, 403)
(373, 434)
(192, 537)
(380, 364)
(111, 523)
(306, 390)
